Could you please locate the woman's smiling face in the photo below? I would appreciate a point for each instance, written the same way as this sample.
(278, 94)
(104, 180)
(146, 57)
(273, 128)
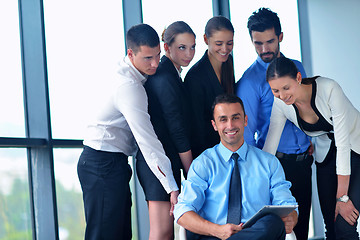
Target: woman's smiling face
(220, 44)
(285, 88)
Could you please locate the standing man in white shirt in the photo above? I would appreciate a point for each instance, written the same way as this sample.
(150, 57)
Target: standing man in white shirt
(121, 126)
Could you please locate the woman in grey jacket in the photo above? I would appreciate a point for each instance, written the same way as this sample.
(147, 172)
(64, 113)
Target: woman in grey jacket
(319, 107)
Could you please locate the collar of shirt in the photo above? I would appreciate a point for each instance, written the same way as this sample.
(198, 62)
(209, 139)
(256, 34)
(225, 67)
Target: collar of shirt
(226, 153)
(178, 70)
(262, 63)
(134, 74)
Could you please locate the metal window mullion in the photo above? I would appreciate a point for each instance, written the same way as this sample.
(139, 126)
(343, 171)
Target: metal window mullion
(132, 15)
(221, 8)
(37, 120)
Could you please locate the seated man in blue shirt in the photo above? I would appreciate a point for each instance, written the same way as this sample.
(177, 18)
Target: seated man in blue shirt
(202, 206)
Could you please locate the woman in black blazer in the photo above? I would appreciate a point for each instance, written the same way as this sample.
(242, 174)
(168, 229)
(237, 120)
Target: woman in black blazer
(211, 76)
(168, 109)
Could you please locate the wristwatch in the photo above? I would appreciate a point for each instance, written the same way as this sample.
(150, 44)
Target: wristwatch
(344, 198)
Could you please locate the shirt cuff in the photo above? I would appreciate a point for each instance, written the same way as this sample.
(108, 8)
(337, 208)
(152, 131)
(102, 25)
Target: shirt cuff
(181, 209)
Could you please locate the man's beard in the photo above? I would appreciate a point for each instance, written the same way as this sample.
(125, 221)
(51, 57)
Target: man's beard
(268, 59)
(274, 55)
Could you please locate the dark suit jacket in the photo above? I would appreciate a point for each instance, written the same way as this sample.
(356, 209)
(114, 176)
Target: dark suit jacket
(203, 86)
(168, 109)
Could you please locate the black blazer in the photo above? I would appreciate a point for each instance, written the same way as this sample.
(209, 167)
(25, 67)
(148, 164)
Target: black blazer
(203, 86)
(169, 110)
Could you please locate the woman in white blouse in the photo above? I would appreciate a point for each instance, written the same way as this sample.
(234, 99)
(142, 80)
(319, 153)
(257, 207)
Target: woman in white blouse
(319, 107)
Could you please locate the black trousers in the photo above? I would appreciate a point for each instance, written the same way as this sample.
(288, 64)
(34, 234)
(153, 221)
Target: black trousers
(269, 227)
(299, 174)
(104, 179)
(327, 188)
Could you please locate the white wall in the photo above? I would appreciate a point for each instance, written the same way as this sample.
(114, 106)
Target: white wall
(330, 46)
(330, 36)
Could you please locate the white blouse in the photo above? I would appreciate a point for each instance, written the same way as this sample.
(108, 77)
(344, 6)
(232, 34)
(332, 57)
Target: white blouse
(336, 108)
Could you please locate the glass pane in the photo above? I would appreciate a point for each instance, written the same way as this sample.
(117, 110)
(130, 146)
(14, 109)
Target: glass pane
(244, 51)
(12, 122)
(187, 11)
(69, 196)
(84, 42)
(15, 214)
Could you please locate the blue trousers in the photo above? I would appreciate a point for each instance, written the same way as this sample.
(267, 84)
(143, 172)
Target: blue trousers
(269, 227)
(104, 179)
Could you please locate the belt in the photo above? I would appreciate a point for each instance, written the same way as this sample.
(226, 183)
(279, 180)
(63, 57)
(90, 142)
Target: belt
(298, 157)
(106, 153)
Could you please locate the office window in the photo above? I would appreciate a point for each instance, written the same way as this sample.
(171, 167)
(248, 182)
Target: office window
(195, 13)
(12, 122)
(244, 51)
(69, 195)
(84, 43)
(15, 216)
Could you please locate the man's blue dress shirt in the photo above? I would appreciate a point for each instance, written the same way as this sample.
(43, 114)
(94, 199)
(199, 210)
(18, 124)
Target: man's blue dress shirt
(258, 99)
(206, 190)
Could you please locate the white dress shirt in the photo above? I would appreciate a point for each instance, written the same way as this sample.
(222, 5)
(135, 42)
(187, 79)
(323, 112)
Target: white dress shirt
(122, 123)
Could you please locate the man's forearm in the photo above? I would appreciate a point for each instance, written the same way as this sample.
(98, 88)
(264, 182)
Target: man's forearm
(194, 223)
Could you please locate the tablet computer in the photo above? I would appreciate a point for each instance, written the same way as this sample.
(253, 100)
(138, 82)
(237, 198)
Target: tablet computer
(280, 210)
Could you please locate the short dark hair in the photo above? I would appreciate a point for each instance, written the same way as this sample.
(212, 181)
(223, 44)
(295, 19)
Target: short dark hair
(141, 35)
(227, 98)
(264, 19)
(179, 27)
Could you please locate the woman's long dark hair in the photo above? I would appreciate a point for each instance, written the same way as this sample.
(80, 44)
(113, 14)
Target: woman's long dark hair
(215, 24)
